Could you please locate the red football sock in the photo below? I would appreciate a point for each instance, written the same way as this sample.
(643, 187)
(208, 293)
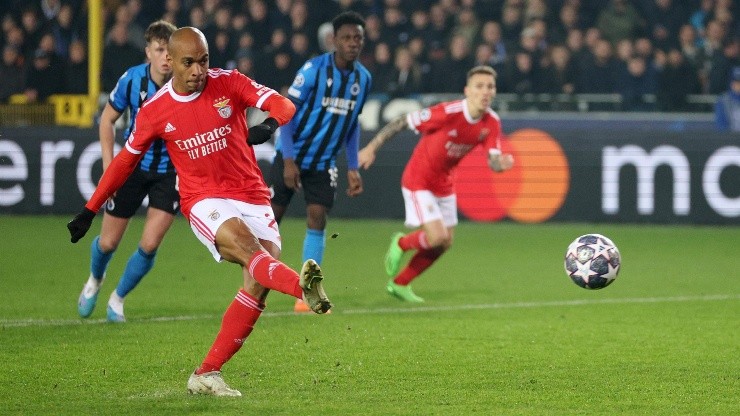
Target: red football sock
(415, 240)
(274, 274)
(421, 261)
(236, 326)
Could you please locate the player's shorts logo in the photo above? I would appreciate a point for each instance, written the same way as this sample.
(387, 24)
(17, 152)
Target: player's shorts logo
(214, 215)
(111, 204)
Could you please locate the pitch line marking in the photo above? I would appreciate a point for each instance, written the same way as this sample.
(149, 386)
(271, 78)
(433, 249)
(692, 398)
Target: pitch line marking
(30, 322)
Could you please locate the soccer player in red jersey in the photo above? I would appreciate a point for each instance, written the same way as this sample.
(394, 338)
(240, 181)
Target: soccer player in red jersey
(449, 131)
(201, 115)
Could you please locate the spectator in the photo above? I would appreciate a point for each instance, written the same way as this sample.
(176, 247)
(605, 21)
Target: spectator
(395, 27)
(490, 34)
(325, 37)
(677, 79)
(221, 23)
(598, 75)
(727, 108)
(11, 72)
(665, 17)
(382, 68)
(440, 31)
(636, 81)
(50, 8)
(279, 15)
(221, 54)
(32, 31)
(117, 56)
(300, 22)
(197, 17)
(75, 70)
(511, 24)
(700, 17)
(519, 74)
(373, 36)
(722, 64)
(688, 44)
(282, 70)
(406, 77)
(62, 31)
(258, 23)
(568, 19)
(559, 75)
(174, 13)
(43, 78)
(450, 74)
(245, 63)
(466, 25)
(134, 32)
(618, 21)
(299, 47)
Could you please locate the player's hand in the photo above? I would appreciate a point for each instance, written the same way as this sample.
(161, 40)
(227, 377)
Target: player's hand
(501, 162)
(366, 157)
(354, 183)
(80, 224)
(262, 132)
(291, 174)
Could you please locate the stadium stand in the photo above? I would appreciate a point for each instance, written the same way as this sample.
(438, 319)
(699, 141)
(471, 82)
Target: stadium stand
(550, 55)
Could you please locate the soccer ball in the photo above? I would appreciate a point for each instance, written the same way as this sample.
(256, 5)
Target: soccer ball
(592, 261)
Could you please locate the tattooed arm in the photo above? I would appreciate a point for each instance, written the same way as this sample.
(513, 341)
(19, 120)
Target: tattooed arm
(366, 156)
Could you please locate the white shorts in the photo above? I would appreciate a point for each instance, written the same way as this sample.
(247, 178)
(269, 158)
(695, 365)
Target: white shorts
(207, 215)
(423, 207)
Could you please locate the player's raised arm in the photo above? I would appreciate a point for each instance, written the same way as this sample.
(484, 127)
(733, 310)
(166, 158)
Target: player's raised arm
(366, 156)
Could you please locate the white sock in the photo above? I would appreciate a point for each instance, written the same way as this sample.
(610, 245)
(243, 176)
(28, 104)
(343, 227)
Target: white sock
(92, 286)
(116, 303)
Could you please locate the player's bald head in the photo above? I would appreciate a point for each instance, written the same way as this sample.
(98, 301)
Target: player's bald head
(188, 56)
(186, 39)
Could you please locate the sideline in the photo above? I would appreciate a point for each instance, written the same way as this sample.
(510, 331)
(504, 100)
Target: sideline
(20, 323)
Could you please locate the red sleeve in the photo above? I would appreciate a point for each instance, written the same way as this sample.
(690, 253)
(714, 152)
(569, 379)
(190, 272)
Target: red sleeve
(265, 98)
(279, 107)
(125, 161)
(118, 171)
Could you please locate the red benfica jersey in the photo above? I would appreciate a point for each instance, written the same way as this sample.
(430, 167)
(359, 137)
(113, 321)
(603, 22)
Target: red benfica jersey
(448, 133)
(206, 137)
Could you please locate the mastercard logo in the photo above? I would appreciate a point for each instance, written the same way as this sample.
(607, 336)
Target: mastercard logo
(532, 191)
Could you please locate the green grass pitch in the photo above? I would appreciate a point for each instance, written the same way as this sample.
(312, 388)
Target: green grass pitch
(503, 331)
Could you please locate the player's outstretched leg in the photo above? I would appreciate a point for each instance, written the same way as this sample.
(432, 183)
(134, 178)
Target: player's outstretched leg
(210, 383)
(89, 296)
(393, 256)
(403, 292)
(313, 292)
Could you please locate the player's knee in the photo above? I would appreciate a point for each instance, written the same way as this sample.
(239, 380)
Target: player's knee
(440, 241)
(107, 245)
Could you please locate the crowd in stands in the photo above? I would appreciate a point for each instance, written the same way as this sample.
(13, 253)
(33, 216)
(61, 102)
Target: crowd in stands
(666, 48)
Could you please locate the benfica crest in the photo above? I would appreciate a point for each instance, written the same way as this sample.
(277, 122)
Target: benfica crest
(224, 109)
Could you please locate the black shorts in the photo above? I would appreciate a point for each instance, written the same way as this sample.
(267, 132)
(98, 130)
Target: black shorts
(319, 186)
(160, 187)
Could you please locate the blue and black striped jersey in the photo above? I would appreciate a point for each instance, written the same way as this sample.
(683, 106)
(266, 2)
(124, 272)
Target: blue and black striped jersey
(328, 102)
(131, 90)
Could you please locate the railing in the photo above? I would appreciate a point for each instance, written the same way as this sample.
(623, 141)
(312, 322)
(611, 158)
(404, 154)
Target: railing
(60, 110)
(80, 110)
